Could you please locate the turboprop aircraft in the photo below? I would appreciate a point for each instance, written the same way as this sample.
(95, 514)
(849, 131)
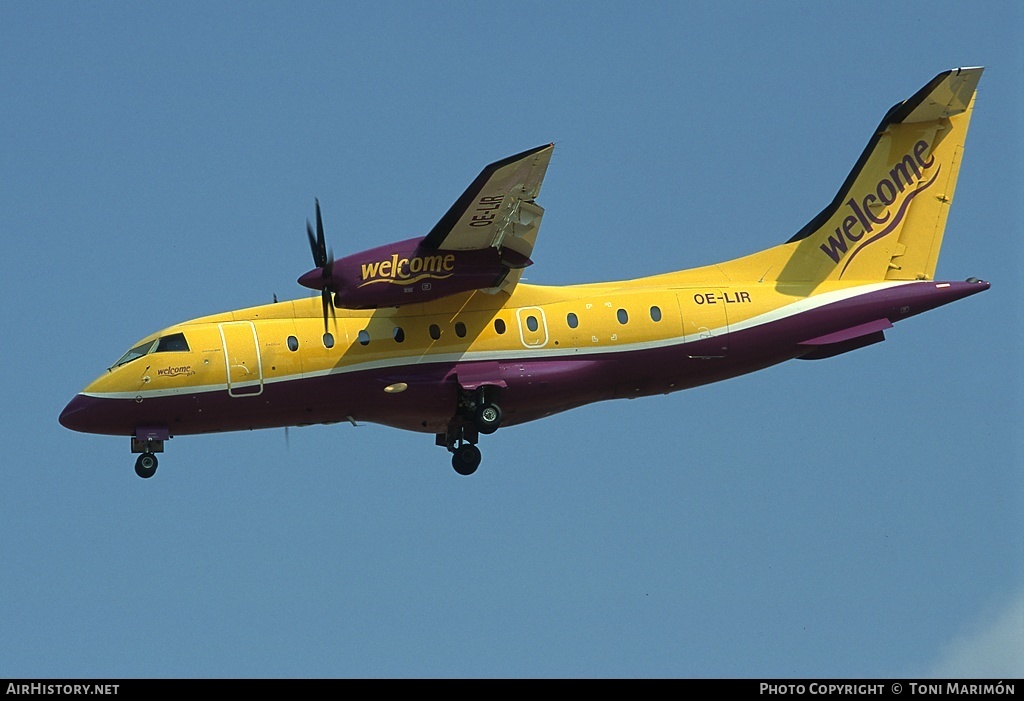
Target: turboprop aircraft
(437, 334)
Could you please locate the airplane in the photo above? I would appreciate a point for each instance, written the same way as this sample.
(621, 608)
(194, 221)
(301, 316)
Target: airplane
(438, 334)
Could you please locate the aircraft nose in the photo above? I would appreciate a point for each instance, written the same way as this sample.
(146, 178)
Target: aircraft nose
(77, 414)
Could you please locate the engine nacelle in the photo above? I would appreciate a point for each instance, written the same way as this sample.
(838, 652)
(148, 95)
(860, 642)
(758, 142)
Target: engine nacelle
(408, 273)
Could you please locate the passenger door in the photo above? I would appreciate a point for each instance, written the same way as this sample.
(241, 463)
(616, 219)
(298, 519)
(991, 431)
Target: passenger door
(242, 358)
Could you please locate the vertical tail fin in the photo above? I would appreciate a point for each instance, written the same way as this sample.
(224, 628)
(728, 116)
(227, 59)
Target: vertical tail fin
(887, 221)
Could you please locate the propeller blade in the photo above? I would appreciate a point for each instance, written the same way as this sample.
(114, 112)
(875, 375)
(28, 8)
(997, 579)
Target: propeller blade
(321, 244)
(327, 275)
(317, 244)
(325, 298)
(312, 243)
(327, 269)
(324, 260)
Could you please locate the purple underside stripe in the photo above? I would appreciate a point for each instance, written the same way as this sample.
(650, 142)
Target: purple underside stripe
(534, 387)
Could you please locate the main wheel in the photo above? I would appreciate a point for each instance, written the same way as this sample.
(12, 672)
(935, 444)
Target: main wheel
(466, 458)
(145, 466)
(488, 418)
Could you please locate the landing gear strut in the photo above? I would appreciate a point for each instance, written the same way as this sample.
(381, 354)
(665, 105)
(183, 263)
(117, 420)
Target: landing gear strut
(460, 439)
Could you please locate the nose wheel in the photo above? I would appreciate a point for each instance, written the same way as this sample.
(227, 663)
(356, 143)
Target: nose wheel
(145, 465)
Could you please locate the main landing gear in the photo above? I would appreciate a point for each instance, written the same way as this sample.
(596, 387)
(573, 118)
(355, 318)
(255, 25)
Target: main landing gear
(466, 458)
(478, 412)
(460, 439)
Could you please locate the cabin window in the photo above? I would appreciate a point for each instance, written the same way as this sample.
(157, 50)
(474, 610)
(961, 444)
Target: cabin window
(293, 343)
(572, 320)
(364, 338)
(174, 342)
(531, 323)
(460, 329)
(398, 334)
(328, 340)
(655, 314)
(622, 316)
(435, 331)
(499, 325)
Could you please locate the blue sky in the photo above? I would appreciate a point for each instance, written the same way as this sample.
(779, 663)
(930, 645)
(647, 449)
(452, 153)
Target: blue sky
(860, 516)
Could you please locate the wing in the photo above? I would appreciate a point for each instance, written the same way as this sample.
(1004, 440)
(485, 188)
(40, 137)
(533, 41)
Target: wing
(497, 210)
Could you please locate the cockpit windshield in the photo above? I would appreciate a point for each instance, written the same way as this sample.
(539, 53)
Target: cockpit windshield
(171, 342)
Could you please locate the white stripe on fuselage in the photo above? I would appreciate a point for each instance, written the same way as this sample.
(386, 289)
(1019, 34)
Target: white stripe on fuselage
(789, 310)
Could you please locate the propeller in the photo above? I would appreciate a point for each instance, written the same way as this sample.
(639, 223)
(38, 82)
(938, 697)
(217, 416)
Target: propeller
(323, 259)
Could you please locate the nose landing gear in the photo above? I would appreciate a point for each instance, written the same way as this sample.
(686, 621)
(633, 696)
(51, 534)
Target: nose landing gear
(148, 441)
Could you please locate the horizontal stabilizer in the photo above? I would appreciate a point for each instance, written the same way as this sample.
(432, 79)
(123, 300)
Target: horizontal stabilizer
(844, 341)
